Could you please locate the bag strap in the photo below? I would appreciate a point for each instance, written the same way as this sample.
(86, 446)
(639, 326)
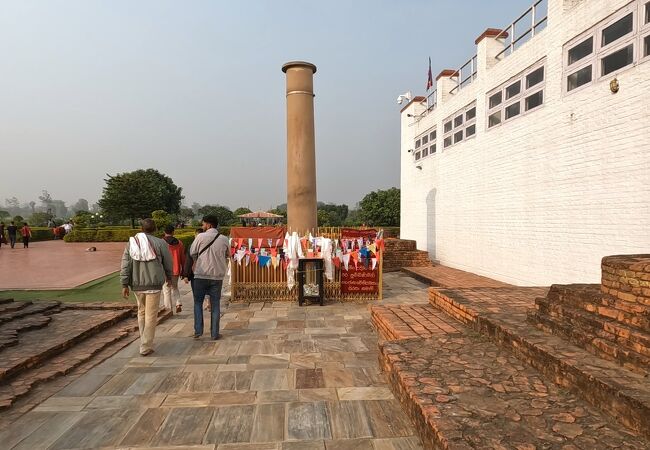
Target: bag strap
(208, 246)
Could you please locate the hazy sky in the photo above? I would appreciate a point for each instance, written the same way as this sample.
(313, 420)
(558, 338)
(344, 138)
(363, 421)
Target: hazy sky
(194, 89)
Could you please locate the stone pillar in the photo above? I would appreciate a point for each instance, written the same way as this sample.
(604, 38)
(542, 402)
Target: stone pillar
(301, 149)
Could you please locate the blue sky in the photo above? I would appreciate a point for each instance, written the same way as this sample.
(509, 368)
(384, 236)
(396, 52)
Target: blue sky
(194, 89)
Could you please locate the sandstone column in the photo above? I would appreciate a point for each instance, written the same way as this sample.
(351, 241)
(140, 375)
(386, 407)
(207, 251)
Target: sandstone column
(301, 149)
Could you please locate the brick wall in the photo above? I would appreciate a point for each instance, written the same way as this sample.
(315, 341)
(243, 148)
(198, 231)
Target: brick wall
(543, 198)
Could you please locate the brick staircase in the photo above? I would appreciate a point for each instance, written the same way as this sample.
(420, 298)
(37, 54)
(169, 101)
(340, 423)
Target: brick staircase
(42, 340)
(401, 253)
(612, 320)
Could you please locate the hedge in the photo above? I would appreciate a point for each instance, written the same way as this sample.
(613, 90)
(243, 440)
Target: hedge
(123, 235)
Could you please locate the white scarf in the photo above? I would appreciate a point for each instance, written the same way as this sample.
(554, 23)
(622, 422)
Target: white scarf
(140, 248)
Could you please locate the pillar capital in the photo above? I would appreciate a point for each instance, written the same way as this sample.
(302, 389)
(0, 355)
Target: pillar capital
(298, 64)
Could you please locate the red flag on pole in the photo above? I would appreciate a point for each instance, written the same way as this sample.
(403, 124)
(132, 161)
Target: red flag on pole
(430, 77)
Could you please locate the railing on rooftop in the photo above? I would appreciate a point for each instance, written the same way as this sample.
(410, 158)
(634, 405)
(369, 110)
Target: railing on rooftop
(465, 75)
(524, 28)
(432, 101)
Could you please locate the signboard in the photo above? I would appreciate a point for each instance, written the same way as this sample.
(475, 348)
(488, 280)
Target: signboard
(359, 280)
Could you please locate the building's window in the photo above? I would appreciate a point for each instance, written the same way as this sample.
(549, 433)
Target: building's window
(535, 77)
(527, 88)
(494, 119)
(608, 47)
(617, 60)
(513, 89)
(580, 51)
(513, 110)
(535, 100)
(426, 143)
(448, 126)
(646, 46)
(464, 125)
(577, 79)
(618, 29)
(495, 100)
(417, 156)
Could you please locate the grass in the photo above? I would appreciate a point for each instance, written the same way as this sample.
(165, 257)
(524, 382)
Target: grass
(105, 289)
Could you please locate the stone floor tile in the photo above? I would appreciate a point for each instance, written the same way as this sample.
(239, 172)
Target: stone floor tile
(364, 393)
(277, 396)
(308, 421)
(212, 399)
(349, 444)
(231, 424)
(349, 420)
(268, 423)
(407, 443)
(183, 426)
(272, 379)
(314, 395)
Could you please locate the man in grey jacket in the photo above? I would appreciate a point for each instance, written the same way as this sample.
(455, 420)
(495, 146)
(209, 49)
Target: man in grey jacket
(146, 266)
(210, 252)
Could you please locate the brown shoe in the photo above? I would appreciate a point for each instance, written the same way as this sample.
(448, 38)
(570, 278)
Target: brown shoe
(179, 308)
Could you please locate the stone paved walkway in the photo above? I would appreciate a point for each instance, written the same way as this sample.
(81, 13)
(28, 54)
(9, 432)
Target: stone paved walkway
(55, 264)
(283, 377)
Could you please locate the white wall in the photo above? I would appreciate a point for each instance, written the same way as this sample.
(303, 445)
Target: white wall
(543, 198)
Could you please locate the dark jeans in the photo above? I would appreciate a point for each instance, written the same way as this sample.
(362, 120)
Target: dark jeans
(201, 288)
(25, 241)
(12, 240)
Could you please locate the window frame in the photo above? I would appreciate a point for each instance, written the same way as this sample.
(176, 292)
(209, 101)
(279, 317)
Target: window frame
(461, 128)
(426, 147)
(640, 30)
(520, 98)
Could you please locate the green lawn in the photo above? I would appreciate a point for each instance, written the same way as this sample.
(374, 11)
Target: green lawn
(106, 289)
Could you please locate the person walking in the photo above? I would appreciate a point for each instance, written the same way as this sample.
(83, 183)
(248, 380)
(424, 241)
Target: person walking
(12, 230)
(177, 251)
(210, 252)
(146, 267)
(3, 238)
(26, 232)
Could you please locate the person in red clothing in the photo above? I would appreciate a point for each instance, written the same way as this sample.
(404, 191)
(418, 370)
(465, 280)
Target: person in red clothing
(27, 233)
(177, 250)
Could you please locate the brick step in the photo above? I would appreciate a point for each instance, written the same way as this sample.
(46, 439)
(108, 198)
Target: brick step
(464, 392)
(601, 338)
(395, 322)
(9, 331)
(589, 297)
(65, 362)
(63, 332)
(11, 306)
(81, 357)
(41, 307)
(618, 392)
(604, 327)
(399, 244)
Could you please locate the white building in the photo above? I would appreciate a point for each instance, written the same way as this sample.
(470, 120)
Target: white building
(533, 169)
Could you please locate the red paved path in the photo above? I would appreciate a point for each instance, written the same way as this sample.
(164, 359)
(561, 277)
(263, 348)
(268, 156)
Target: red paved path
(57, 264)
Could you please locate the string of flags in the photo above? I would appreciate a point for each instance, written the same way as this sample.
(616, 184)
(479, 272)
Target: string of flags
(340, 253)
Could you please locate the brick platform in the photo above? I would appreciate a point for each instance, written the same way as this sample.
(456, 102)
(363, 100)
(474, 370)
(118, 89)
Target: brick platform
(395, 322)
(500, 314)
(401, 253)
(611, 320)
(464, 392)
(443, 276)
(40, 341)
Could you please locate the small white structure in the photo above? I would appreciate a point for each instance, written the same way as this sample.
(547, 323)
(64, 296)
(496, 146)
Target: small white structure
(532, 161)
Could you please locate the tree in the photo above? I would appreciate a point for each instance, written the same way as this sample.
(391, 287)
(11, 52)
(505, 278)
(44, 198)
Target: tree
(135, 195)
(81, 205)
(40, 219)
(4, 214)
(241, 210)
(381, 208)
(45, 198)
(161, 218)
(18, 219)
(82, 219)
(336, 214)
(185, 215)
(223, 213)
(32, 206)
